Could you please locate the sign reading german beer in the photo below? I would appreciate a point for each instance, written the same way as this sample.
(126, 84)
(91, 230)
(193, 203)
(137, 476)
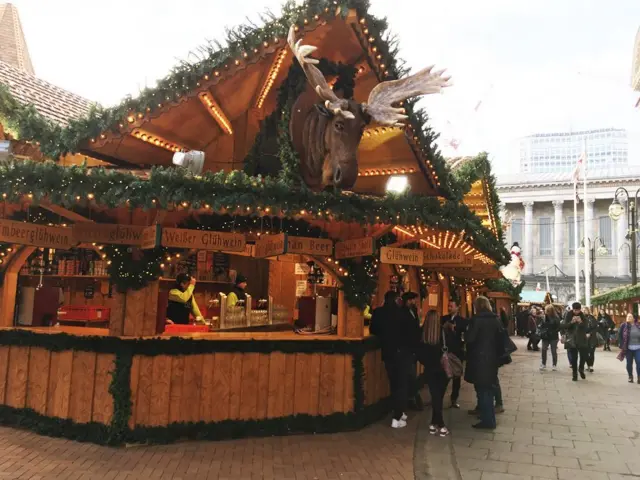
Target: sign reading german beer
(444, 256)
(310, 246)
(36, 235)
(203, 240)
(359, 247)
(271, 246)
(108, 233)
(401, 256)
(151, 237)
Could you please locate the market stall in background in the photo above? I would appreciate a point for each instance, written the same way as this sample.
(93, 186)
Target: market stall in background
(209, 175)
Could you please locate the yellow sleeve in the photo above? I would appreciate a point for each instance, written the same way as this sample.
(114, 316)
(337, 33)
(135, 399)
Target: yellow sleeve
(367, 313)
(176, 295)
(195, 310)
(232, 300)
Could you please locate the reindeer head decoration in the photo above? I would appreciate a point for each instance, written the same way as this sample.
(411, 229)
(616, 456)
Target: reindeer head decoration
(326, 136)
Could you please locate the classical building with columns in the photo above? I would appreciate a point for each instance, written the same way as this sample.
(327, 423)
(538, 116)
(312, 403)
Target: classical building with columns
(538, 213)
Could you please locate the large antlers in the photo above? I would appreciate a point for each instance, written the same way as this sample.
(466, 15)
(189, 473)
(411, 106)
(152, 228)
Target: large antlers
(384, 95)
(336, 105)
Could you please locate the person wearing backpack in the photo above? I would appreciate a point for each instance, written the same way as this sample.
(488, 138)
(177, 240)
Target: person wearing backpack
(549, 330)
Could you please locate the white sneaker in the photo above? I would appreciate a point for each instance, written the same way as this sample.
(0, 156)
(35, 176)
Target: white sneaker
(403, 417)
(398, 423)
(542, 366)
(554, 368)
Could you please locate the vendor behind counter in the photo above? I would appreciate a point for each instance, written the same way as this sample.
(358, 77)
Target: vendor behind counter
(181, 303)
(238, 293)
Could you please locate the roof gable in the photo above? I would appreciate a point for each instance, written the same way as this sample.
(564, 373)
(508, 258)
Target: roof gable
(13, 47)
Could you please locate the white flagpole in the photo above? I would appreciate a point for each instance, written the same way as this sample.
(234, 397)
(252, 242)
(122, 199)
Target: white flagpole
(576, 234)
(587, 234)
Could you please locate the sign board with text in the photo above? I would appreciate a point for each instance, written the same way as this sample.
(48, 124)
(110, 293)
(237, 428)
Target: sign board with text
(107, 233)
(36, 235)
(321, 247)
(203, 240)
(444, 256)
(401, 256)
(359, 247)
(271, 246)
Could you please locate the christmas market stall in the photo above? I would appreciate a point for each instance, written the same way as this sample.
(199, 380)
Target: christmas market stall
(197, 262)
(618, 302)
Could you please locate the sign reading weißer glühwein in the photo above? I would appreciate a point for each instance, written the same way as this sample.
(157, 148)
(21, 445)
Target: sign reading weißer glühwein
(203, 240)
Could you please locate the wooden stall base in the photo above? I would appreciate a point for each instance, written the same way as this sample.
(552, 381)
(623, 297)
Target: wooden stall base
(191, 389)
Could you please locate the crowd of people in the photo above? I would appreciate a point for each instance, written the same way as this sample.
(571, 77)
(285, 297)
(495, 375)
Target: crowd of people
(452, 348)
(442, 345)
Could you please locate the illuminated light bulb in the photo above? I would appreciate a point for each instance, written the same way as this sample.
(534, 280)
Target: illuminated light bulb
(139, 115)
(131, 119)
(362, 21)
(90, 196)
(237, 62)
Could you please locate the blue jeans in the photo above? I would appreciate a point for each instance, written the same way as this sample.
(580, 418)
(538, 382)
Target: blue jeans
(498, 393)
(485, 406)
(631, 355)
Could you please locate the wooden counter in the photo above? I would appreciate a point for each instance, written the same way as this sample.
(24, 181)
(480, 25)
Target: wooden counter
(217, 385)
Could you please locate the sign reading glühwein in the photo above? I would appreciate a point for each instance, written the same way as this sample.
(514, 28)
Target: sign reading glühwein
(36, 235)
(444, 256)
(107, 233)
(203, 240)
(310, 246)
(271, 245)
(401, 256)
(359, 247)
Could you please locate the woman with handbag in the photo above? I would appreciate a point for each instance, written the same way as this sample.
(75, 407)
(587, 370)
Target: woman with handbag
(439, 367)
(592, 338)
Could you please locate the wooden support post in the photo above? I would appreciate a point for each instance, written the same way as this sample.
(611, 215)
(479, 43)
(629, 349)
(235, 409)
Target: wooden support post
(140, 311)
(355, 323)
(10, 286)
(117, 303)
(342, 314)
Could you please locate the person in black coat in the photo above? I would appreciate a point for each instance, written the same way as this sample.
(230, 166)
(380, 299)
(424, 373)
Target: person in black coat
(410, 310)
(436, 378)
(454, 326)
(484, 343)
(399, 336)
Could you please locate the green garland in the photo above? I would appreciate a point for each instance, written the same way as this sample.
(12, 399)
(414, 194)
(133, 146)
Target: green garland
(236, 191)
(620, 294)
(505, 286)
(119, 432)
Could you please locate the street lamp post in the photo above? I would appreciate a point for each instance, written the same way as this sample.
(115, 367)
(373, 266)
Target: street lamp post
(615, 212)
(597, 247)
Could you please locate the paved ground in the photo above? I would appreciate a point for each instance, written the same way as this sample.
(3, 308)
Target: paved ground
(553, 429)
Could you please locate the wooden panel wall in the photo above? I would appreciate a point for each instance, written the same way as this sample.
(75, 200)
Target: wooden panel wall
(282, 283)
(68, 384)
(238, 386)
(376, 383)
(140, 311)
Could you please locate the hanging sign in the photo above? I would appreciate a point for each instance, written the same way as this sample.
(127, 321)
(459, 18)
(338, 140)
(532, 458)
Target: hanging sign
(321, 247)
(359, 247)
(271, 246)
(401, 256)
(108, 233)
(151, 237)
(301, 269)
(467, 263)
(203, 240)
(433, 290)
(444, 256)
(36, 235)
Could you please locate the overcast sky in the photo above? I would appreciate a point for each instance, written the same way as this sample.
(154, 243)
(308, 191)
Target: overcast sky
(535, 65)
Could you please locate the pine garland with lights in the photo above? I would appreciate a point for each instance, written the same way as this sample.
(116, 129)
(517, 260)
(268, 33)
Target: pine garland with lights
(233, 193)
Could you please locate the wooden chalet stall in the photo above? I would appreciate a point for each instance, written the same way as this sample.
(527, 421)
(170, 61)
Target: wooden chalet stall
(618, 302)
(112, 235)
